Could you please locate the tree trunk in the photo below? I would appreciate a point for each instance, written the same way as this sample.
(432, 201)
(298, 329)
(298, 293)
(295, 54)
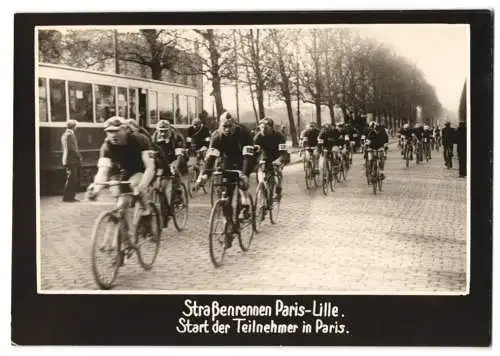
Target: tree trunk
(317, 104)
(253, 105)
(156, 71)
(260, 99)
(331, 107)
(217, 96)
(291, 122)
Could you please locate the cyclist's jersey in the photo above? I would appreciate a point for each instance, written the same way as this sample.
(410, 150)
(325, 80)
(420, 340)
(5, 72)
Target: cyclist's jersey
(231, 150)
(353, 134)
(127, 157)
(343, 133)
(198, 137)
(419, 132)
(437, 132)
(427, 134)
(269, 145)
(167, 145)
(377, 139)
(448, 136)
(406, 133)
(311, 135)
(331, 138)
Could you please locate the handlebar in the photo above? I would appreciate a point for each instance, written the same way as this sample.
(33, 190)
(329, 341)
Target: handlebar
(112, 183)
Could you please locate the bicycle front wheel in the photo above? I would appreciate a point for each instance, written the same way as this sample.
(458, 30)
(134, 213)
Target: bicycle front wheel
(308, 175)
(217, 234)
(247, 229)
(107, 251)
(147, 237)
(180, 207)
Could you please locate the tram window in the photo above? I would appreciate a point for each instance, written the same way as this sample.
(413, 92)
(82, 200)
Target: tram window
(122, 102)
(166, 106)
(105, 102)
(132, 102)
(181, 111)
(42, 100)
(153, 107)
(57, 100)
(191, 108)
(80, 102)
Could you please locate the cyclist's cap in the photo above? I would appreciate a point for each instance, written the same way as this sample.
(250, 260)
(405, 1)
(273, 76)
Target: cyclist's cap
(266, 122)
(115, 123)
(163, 125)
(132, 123)
(226, 119)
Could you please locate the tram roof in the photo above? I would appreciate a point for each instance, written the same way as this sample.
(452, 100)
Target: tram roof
(107, 74)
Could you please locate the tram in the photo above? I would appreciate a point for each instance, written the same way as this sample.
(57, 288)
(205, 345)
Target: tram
(91, 97)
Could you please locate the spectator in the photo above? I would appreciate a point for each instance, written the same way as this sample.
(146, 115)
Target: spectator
(71, 161)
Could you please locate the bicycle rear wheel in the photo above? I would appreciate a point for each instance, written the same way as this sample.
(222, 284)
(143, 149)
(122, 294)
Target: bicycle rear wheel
(260, 205)
(147, 237)
(375, 177)
(217, 234)
(110, 248)
(325, 176)
(247, 227)
(308, 175)
(180, 207)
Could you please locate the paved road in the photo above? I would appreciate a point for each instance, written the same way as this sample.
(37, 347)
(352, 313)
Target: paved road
(410, 238)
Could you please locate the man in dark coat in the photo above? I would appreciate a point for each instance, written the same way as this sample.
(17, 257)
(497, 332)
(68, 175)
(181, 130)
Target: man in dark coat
(71, 161)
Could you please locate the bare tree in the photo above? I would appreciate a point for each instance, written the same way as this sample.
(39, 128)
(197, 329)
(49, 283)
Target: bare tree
(281, 80)
(312, 80)
(253, 57)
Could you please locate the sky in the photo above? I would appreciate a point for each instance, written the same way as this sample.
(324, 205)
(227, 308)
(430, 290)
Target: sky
(440, 51)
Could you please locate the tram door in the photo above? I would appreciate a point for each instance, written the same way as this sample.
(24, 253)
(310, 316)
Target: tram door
(143, 107)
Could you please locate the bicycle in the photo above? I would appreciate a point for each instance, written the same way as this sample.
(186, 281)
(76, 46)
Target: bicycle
(173, 204)
(337, 164)
(426, 149)
(265, 195)
(122, 246)
(328, 178)
(196, 169)
(376, 177)
(407, 151)
(448, 154)
(310, 165)
(418, 151)
(232, 223)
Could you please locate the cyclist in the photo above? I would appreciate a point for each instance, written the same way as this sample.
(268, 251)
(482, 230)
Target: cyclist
(235, 144)
(377, 138)
(437, 136)
(309, 139)
(125, 156)
(330, 137)
(448, 137)
(427, 135)
(171, 152)
(344, 133)
(269, 141)
(406, 134)
(197, 135)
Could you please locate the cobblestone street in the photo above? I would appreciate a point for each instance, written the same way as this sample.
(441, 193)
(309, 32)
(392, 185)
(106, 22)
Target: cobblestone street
(410, 238)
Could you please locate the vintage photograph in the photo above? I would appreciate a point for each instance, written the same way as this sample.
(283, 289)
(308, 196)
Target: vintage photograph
(279, 159)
